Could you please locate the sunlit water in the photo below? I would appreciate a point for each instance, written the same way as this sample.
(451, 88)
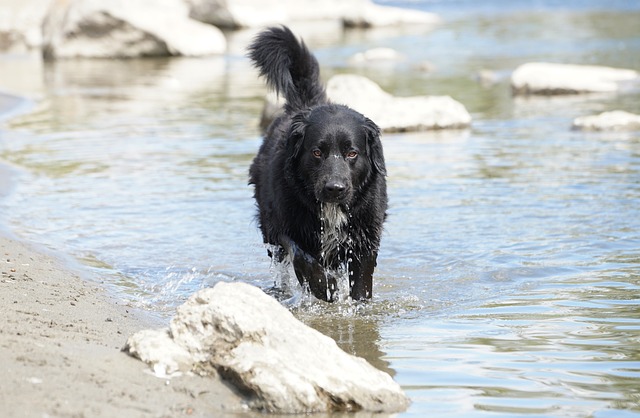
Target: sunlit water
(508, 281)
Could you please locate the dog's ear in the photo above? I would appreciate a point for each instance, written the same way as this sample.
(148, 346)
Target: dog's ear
(374, 146)
(295, 138)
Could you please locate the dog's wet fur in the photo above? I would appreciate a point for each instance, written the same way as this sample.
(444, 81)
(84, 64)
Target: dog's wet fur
(319, 175)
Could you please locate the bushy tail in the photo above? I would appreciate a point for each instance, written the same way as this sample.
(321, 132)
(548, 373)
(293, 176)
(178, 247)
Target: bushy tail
(289, 68)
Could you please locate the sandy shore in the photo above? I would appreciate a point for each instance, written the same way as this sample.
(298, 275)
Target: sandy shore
(60, 343)
(61, 337)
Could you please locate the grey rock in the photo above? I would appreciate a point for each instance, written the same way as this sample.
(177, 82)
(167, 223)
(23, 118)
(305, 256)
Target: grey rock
(20, 25)
(617, 120)
(236, 14)
(549, 79)
(376, 55)
(374, 15)
(256, 344)
(390, 113)
(397, 114)
(157, 348)
(125, 29)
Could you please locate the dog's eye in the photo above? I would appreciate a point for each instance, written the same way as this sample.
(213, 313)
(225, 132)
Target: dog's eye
(317, 153)
(352, 154)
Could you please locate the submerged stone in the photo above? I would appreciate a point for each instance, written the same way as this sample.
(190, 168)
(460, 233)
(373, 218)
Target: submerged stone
(617, 120)
(279, 363)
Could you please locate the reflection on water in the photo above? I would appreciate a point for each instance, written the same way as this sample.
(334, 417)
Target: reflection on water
(537, 352)
(354, 332)
(508, 282)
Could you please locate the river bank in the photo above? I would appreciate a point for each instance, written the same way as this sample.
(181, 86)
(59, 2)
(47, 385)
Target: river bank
(61, 341)
(60, 348)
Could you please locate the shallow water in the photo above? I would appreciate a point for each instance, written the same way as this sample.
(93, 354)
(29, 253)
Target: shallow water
(508, 280)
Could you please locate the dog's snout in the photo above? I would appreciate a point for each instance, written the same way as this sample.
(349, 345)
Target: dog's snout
(334, 188)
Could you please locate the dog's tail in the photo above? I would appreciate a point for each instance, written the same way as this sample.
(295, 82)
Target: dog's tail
(289, 68)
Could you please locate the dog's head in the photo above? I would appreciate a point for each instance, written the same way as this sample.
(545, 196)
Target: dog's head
(336, 152)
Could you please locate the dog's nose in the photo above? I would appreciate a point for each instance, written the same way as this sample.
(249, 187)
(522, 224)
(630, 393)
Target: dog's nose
(334, 188)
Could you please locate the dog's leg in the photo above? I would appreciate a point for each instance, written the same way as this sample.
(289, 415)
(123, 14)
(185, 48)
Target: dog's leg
(277, 253)
(362, 277)
(310, 271)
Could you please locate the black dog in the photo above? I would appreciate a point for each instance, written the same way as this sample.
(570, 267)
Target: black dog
(319, 175)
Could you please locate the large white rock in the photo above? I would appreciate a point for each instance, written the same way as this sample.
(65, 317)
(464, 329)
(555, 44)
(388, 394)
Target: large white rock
(397, 114)
(376, 56)
(374, 15)
(258, 345)
(617, 120)
(20, 25)
(256, 13)
(549, 78)
(126, 28)
(157, 348)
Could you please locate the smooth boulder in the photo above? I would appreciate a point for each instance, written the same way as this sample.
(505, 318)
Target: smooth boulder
(371, 15)
(397, 114)
(280, 364)
(550, 79)
(390, 113)
(126, 29)
(376, 56)
(617, 120)
(20, 25)
(235, 14)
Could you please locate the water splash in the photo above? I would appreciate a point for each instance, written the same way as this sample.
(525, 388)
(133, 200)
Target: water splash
(336, 256)
(286, 288)
(163, 289)
(335, 241)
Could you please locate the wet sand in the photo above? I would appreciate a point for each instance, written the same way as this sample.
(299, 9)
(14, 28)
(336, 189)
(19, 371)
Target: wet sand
(60, 349)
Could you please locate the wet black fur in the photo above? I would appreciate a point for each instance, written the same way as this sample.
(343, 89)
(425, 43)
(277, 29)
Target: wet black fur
(317, 152)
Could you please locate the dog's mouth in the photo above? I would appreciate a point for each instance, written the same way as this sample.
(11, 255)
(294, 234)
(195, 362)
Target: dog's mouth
(338, 200)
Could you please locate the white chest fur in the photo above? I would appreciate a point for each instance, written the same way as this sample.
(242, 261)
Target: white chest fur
(334, 229)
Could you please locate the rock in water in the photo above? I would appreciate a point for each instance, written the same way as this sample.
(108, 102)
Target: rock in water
(397, 114)
(616, 120)
(550, 78)
(390, 113)
(20, 25)
(256, 344)
(126, 29)
(258, 13)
